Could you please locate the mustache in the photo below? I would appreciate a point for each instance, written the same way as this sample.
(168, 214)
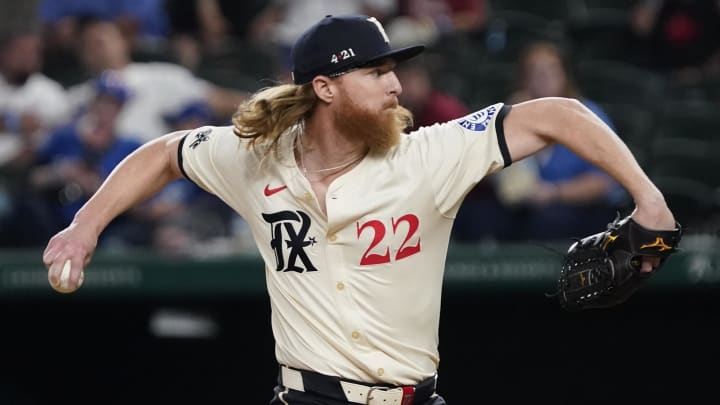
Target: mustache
(393, 103)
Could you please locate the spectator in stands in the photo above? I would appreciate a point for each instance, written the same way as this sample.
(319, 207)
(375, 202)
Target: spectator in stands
(565, 196)
(188, 221)
(282, 22)
(76, 158)
(192, 115)
(139, 21)
(156, 88)
(481, 216)
(429, 20)
(31, 104)
(681, 37)
(143, 24)
(423, 98)
(19, 15)
(201, 27)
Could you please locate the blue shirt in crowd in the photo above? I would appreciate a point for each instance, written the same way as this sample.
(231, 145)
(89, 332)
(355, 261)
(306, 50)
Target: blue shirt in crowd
(558, 163)
(65, 145)
(149, 13)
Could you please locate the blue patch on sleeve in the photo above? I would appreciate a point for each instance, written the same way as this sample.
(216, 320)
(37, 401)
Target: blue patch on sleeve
(479, 120)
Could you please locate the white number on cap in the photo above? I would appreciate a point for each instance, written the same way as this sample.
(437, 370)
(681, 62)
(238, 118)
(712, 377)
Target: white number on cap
(380, 28)
(342, 55)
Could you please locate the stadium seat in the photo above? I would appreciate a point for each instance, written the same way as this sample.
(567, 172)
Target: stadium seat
(600, 34)
(231, 79)
(690, 92)
(634, 124)
(455, 53)
(593, 5)
(612, 81)
(488, 83)
(690, 201)
(510, 31)
(691, 119)
(686, 157)
(244, 58)
(559, 10)
(65, 68)
(711, 87)
(154, 54)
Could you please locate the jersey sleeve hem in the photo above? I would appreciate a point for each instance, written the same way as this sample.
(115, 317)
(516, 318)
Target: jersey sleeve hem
(500, 131)
(180, 159)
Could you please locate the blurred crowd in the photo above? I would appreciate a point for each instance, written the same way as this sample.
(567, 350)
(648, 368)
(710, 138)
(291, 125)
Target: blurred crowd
(85, 83)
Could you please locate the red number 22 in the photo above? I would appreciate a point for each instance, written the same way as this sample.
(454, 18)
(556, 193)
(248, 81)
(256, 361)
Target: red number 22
(378, 229)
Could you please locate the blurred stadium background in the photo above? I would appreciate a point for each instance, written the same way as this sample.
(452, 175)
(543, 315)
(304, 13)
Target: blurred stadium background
(181, 317)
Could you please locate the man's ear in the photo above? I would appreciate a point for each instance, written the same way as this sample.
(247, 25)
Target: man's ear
(324, 88)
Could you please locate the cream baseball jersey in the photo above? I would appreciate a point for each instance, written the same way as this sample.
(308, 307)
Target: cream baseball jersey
(355, 293)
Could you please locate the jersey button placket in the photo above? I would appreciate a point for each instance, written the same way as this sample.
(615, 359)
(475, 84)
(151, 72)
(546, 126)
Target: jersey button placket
(345, 305)
(308, 197)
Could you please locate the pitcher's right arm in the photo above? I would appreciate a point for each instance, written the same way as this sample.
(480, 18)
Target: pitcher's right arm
(137, 177)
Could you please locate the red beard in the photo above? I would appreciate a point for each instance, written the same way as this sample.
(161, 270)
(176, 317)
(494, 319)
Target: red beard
(379, 131)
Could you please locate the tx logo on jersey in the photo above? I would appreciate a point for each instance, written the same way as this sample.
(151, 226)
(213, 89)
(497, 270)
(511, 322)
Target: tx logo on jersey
(201, 136)
(270, 191)
(289, 231)
(659, 243)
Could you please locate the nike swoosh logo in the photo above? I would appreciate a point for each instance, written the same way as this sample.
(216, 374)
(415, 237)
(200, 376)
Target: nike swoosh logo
(270, 191)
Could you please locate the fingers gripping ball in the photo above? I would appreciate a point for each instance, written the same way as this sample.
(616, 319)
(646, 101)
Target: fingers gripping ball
(64, 284)
(604, 269)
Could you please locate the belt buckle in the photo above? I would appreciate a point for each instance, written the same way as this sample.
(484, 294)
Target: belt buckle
(398, 395)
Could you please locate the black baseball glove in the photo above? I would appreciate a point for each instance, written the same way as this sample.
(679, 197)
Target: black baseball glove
(603, 270)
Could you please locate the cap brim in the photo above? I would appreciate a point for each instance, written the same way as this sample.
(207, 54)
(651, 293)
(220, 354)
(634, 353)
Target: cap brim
(400, 55)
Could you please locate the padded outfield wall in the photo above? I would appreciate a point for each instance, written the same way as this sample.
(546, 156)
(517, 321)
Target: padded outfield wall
(151, 330)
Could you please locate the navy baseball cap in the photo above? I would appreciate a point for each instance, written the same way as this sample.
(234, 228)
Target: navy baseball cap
(198, 110)
(110, 83)
(337, 44)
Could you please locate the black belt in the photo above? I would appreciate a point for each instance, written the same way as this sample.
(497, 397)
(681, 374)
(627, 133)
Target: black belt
(354, 391)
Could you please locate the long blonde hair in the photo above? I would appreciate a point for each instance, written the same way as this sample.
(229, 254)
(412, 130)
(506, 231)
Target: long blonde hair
(270, 112)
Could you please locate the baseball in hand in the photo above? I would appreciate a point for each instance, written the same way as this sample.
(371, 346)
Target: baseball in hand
(64, 285)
